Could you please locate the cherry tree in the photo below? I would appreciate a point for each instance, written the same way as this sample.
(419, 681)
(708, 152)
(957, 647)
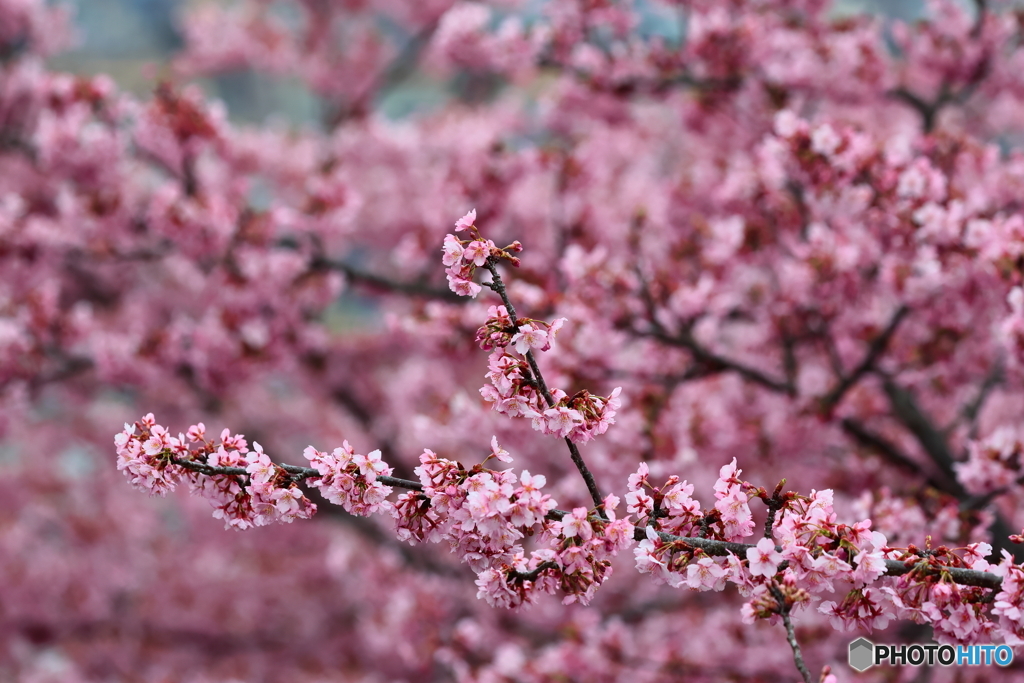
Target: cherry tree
(697, 349)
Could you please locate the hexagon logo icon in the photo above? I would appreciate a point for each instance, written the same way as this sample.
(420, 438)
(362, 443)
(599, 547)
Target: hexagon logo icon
(862, 654)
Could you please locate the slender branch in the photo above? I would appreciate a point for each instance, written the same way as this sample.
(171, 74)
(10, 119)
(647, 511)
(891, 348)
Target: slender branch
(783, 611)
(395, 72)
(906, 409)
(982, 500)
(929, 111)
(380, 282)
(497, 285)
(715, 363)
(789, 362)
(706, 361)
(981, 7)
(533, 574)
(298, 473)
(969, 413)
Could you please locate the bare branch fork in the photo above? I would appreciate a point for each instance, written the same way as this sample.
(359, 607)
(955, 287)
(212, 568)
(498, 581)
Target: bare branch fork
(878, 346)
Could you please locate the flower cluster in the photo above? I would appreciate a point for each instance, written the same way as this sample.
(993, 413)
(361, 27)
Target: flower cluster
(463, 257)
(349, 479)
(485, 514)
(144, 457)
(809, 553)
(245, 487)
(1008, 600)
(993, 463)
(525, 334)
(515, 392)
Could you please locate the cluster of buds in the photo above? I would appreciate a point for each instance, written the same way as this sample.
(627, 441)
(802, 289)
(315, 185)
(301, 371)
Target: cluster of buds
(524, 334)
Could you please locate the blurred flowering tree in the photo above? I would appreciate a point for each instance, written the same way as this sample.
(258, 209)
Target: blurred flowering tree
(746, 241)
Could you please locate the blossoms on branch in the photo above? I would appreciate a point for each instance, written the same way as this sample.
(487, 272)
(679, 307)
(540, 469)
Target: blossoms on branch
(485, 515)
(244, 486)
(350, 479)
(810, 554)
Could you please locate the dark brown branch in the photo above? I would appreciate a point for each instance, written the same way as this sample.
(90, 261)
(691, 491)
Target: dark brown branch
(298, 473)
(934, 443)
(892, 453)
(969, 413)
(535, 573)
(908, 412)
(929, 111)
(981, 7)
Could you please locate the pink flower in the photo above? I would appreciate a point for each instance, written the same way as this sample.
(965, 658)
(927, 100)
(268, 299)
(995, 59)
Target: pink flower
(453, 250)
(870, 566)
(476, 252)
(824, 140)
(576, 524)
(529, 336)
(463, 287)
(531, 484)
(706, 574)
(197, 432)
(764, 559)
(499, 452)
(561, 420)
(370, 465)
(260, 467)
(638, 478)
(466, 221)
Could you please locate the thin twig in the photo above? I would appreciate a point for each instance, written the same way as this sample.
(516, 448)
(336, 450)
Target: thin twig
(380, 282)
(783, 611)
(712, 362)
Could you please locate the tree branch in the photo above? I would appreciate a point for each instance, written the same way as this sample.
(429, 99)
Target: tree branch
(712, 362)
(933, 442)
(893, 454)
(375, 281)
